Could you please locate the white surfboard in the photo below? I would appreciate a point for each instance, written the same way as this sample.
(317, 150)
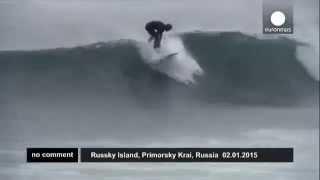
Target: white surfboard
(168, 56)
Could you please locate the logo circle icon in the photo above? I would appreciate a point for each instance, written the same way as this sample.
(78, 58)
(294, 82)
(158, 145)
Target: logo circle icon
(278, 18)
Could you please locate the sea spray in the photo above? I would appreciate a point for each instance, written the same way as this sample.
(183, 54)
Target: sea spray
(181, 67)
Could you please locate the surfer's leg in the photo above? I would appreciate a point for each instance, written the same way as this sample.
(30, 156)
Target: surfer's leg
(157, 41)
(160, 38)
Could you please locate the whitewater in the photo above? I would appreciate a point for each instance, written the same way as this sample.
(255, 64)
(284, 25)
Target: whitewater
(182, 67)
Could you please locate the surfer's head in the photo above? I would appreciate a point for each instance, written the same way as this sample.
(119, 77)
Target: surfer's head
(168, 27)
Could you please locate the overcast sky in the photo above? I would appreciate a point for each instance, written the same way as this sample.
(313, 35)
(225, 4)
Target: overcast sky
(35, 24)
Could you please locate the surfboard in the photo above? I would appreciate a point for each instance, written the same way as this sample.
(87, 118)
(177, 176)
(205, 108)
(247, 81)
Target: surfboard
(168, 56)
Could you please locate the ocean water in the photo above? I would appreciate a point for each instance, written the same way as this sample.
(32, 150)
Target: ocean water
(223, 89)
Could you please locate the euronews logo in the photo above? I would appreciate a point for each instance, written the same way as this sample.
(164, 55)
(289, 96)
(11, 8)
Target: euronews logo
(277, 18)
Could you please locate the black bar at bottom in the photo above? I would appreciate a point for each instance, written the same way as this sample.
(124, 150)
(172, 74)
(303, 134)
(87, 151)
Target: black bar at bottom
(52, 154)
(186, 154)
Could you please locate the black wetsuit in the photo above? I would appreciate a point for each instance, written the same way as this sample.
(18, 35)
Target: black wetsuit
(155, 29)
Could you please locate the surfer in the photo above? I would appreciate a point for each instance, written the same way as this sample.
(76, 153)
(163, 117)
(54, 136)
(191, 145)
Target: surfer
(155, 29)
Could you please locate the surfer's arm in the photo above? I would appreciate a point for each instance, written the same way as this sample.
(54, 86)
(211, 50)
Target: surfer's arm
(150, 38)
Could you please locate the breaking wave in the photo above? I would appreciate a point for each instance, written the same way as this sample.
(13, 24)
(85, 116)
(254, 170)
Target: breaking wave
(227, 67)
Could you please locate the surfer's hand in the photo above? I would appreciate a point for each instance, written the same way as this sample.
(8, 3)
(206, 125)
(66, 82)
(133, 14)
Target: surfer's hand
(150, 39)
